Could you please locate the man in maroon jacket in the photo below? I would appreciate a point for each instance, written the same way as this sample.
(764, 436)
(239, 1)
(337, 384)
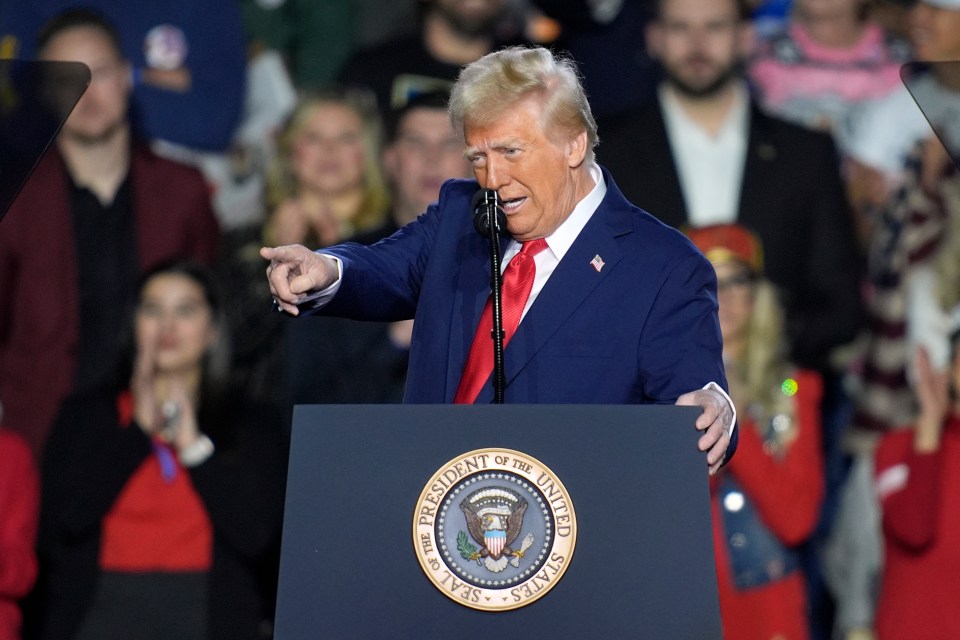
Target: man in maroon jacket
(97, 211)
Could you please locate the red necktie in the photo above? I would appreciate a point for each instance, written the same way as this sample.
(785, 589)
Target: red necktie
(517, 283)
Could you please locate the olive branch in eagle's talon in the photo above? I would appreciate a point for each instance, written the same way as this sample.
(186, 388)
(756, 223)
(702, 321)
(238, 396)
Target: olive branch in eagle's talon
(467, 550)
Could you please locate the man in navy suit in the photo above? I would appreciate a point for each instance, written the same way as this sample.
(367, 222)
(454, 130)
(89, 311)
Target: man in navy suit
(622, 308)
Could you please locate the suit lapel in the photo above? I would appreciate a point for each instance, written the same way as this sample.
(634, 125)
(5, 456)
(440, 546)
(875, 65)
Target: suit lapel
(759, 169)
(672, 208)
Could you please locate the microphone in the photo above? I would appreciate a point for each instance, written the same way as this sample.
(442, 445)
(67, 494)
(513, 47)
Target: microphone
(486, 208)
(489, 221)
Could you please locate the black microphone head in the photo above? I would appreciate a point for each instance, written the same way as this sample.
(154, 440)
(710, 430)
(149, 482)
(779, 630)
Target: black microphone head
(482, 196)
(486, 206)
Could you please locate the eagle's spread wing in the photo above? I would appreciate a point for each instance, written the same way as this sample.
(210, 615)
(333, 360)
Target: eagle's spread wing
(515, 521)
(473, 524)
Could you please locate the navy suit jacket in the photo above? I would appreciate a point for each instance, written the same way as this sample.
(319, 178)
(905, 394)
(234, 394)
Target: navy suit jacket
(641, 329)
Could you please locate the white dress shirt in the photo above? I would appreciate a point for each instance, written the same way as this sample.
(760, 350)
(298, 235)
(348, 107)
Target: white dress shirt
(710, 167)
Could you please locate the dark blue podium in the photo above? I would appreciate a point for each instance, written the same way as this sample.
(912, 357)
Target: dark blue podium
(642, 567)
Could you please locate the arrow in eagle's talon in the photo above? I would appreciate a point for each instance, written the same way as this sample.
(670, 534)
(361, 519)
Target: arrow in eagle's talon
(519, 553)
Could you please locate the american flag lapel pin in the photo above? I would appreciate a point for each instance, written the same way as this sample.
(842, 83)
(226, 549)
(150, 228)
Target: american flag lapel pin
(597, 263)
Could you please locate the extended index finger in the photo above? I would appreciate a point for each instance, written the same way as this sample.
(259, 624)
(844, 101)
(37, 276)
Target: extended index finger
(282, 262)
(275, 253)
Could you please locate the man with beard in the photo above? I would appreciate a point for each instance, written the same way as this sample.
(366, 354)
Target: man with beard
(704, 153)
(98, 210)
(452, 33)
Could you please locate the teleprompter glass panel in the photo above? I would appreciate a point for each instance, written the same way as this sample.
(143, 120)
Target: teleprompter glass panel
(35, 100)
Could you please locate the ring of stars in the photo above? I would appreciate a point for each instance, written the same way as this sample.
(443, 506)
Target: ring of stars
(527, 568)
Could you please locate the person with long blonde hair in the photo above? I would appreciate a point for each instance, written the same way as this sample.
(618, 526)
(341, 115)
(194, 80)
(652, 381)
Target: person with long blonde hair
(766, 501)
(327, 183)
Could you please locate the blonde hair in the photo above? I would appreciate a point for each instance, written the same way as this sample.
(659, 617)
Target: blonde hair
(281, 180)
(763, 366)
(497, 80)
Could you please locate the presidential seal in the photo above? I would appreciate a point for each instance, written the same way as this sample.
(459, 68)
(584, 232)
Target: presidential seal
(494, 529)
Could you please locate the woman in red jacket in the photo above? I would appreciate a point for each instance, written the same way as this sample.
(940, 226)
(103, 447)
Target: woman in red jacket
(766, 500)
(918, 484)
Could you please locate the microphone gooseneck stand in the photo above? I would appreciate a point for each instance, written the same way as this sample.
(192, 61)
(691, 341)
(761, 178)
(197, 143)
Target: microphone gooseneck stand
(490, 221)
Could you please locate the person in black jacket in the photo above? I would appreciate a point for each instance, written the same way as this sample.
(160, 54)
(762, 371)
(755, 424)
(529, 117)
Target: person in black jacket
(162, 501)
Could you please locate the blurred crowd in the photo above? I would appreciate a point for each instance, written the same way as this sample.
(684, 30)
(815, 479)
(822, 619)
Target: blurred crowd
(147, 384)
